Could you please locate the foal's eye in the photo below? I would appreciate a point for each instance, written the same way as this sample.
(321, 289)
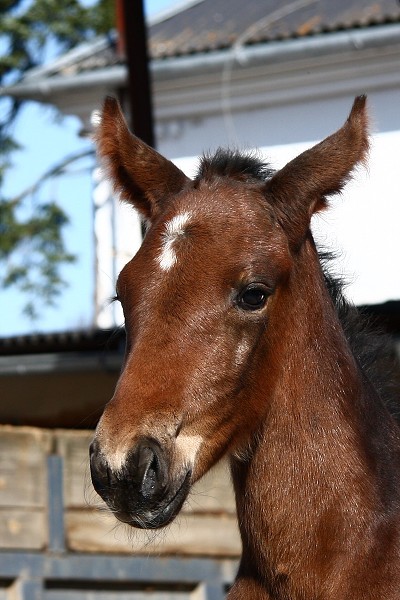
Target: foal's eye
(253, 297)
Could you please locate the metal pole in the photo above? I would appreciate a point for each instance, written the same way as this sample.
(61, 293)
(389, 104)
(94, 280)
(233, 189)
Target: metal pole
(134, 44)
(56, 542)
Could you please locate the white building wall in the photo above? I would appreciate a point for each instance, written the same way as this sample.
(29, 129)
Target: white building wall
(117, 238)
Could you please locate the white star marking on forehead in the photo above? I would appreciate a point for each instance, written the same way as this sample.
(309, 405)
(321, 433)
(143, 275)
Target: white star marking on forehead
(173, 230)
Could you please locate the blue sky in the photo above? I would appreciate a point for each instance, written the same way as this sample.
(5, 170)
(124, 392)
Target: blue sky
(46, 140)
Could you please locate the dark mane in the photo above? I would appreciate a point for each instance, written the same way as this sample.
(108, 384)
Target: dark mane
(232, 163)
(371, 346)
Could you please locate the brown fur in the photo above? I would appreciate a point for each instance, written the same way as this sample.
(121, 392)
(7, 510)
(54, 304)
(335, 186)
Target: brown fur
(315, 453)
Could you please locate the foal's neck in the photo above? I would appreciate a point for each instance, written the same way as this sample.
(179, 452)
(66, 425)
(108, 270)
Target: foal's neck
(307, 491)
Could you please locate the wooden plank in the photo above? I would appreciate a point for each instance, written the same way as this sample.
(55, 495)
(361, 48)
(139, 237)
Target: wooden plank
(200, 535)
(23, 474)
(213, 493)
(73, 446)
(23, 529)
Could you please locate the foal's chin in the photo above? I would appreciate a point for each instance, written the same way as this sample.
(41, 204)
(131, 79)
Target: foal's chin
(145, 516)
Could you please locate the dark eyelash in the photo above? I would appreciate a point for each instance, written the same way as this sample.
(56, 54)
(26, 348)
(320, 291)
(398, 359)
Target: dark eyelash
(114, 299)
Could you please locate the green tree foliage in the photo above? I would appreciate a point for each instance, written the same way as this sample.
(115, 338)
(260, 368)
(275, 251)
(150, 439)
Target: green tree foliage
(32, 248)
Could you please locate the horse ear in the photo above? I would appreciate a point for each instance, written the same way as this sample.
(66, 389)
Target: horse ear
(303, 185)
(140, 174)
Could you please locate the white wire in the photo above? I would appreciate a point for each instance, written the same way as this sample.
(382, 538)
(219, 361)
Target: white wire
(237, 55)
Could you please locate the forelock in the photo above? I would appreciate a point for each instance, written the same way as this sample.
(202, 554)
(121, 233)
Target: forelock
(247, 167)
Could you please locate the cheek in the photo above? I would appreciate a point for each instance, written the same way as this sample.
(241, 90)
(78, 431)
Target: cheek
(218, 369)
(244, 343)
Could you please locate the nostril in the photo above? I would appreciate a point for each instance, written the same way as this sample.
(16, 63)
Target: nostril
(147, 471)
(150, 475)
(149, 481)
(99, 472)
(93, 448)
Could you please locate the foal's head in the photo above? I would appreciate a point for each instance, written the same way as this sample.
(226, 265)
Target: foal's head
(199, 298)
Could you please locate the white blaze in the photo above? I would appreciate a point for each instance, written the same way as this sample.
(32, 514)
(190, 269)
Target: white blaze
(173, 230)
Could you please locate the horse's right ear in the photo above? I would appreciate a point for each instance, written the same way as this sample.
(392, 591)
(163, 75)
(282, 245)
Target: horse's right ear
(140, 174)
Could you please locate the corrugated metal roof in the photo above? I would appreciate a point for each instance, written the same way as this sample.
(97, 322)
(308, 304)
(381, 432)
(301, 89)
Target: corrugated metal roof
(212, 25)
(68, 341)
(216, 24)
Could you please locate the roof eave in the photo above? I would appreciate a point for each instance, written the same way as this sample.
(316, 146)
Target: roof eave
(43, 88)
(351, 40)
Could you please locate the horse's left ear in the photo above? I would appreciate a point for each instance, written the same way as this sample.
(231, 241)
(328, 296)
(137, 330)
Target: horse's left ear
(142, 176)
(303, 185)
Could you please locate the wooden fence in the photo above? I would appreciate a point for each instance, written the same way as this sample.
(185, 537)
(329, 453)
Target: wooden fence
(50, 513)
